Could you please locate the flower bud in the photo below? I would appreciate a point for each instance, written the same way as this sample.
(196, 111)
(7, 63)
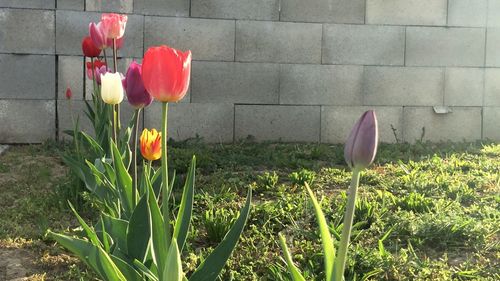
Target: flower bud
(69, 93)
(111, 88)
(361, 146)
(97, 34)
(151, 144)
(113, 25)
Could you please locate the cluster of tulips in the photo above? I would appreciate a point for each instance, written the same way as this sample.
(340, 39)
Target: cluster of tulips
(138, 236)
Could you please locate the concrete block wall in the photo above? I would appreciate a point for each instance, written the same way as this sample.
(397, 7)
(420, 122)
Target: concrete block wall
(280, 70)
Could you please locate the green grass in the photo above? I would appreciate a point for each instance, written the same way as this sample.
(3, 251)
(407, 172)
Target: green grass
(425, 211)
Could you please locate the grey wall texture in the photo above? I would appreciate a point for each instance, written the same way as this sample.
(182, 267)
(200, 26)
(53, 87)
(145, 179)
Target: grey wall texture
(282, 70)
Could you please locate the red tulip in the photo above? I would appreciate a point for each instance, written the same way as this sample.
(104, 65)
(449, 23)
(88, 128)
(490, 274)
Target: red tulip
(69, 94)
(166, 73)
(113, 25)
(97, 34)
(89, 49)
(361, 146)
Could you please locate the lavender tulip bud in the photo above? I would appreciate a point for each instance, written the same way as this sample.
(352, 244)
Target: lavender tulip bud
(361, 146)
(137, 95)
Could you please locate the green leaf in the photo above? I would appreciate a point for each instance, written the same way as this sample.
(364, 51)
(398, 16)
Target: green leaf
(148, 273)
(294, 271)
(88, 231)
(173, 267)
(213, 264)
(139, 230)
(95, 257)
(124, 181)
(116, 228)
(186, 208)
(128, 270)
(159, 234)
(326, 237)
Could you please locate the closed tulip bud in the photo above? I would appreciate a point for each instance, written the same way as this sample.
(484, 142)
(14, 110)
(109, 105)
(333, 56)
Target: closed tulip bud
(111, 88)
(151, 144)
(69, 94)
(166, 73)
(97, 34)
(361, 146)
(137, 95)
(113, 25)
(89, 49)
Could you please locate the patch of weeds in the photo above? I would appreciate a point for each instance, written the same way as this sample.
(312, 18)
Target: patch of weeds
(217, 223)
(267, 181)
(301, 177)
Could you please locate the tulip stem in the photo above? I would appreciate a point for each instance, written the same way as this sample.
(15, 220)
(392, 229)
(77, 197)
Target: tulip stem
(164, 173)
(93, 77)
(105, 58)
(114, 124)
(134, 158)
(340, 260)
(115, 65)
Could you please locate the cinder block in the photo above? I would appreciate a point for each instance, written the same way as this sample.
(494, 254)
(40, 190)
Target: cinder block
(406, 12)
(232, 82)
(213, 122)
(467, 12)
(493, 13)
(70, 74)
(27, 77)
(27, 121)
(492, 43)
(464, 86)
(439, 46)
(236, 9)
(421, 123)
(178, 8)
(337, 122)
(403, 86)
(34, 4)
(78, 5)
(363, 44)
(68, 113)
(321, 84)
(492, 87)
(337, 11)
(27, 31)
(117, 6)
(259, 41)
(207, 39)
(72, 26)
(277, 122)
(491, 126)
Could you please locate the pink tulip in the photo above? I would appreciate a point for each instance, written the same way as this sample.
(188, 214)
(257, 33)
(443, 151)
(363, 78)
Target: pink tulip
(97, 34)
(361, 146)
(119, 42)
(113, 25)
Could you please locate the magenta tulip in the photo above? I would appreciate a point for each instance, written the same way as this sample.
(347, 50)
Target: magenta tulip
(97, 34)
(361, 146)
(137, 95)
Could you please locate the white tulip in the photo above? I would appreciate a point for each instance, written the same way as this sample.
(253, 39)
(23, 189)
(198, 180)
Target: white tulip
(111, 88)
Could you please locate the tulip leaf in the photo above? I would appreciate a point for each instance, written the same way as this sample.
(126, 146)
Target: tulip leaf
(128, 271)
(148, 273)
(116, 228)
(213, 264)
(139, 230)
(81, 171)
(159, 234)
(95, 257)
(326, 237)
(186, 208)
(173, 266)
(294, 271)
(88, 231)
(124, 181)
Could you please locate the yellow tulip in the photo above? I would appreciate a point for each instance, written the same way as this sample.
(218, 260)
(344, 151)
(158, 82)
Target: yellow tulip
(111, 88)
(151, 144)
